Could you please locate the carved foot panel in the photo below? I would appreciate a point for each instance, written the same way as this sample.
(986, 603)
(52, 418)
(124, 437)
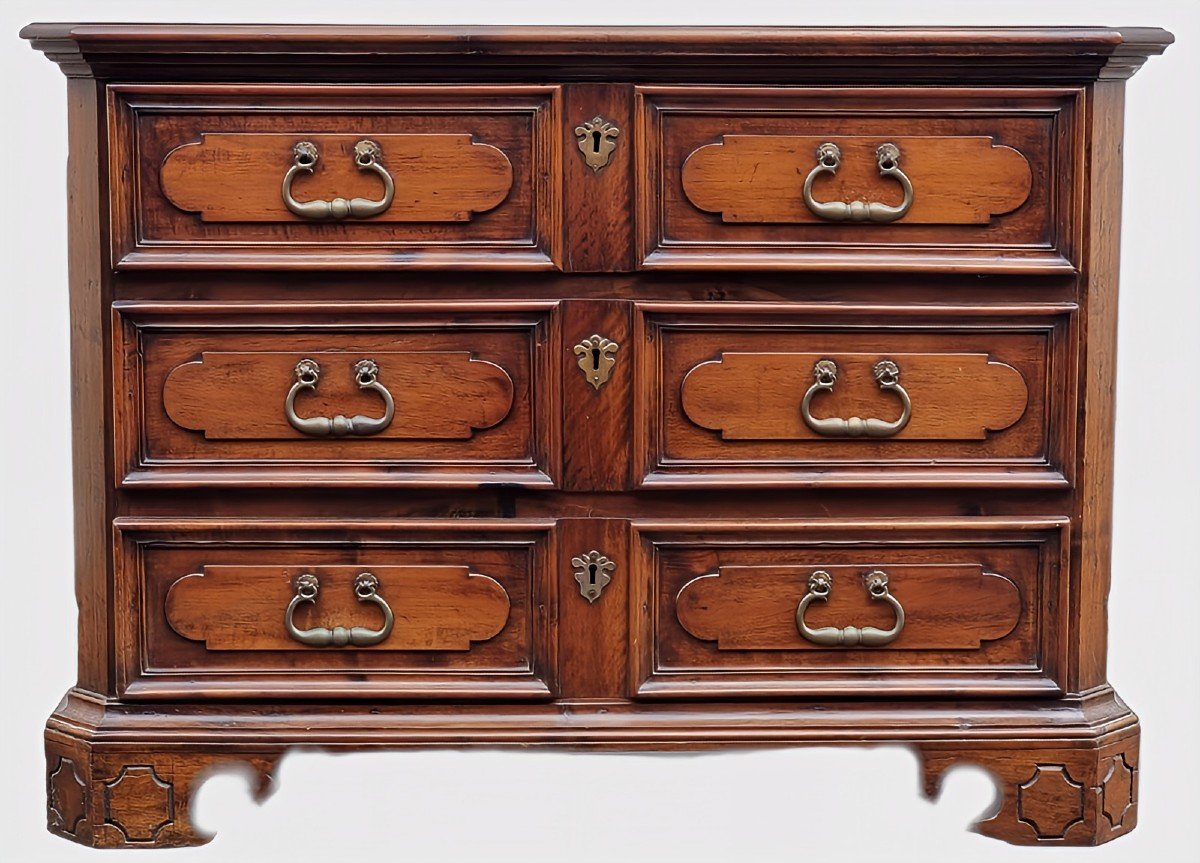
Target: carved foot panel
(123, 797)
(1052, 795)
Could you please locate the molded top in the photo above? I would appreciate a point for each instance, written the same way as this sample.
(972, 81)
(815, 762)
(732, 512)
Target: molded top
(502, 53)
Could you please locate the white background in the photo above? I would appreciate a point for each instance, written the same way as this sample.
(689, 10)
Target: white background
(792, 805)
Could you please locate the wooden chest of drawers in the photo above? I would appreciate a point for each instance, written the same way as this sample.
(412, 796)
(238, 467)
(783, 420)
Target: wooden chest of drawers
(641, 389)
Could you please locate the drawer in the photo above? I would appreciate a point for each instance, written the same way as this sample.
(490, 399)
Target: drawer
(334, 176)
(889, 607)
(316, 608)
(793, 395)
(980, 180)
(335, 394)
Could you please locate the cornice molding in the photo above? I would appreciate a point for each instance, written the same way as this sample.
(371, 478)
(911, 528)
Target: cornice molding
(133, 52)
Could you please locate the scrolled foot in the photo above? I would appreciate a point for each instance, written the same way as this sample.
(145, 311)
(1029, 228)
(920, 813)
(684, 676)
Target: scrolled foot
(120, 797)
(1052, 793)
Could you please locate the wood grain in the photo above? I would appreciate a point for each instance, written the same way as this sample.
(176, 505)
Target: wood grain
(473, 169)
(1097, 369)
(476, 393)
(757, 396)
(386, 53)
(235, 178)
(238, 607)
(997, 202)
(946, 606)
(92, 392)
(439, 395)
(714, 613)
(957, 180)
(722, 387)
(992, 512)
(599, 232)
(474, 603)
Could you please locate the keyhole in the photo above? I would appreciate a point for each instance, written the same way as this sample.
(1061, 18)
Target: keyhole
(595, 142)
(595, 358)
(591, 573)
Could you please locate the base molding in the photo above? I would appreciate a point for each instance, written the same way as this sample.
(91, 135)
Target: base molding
(121, 775)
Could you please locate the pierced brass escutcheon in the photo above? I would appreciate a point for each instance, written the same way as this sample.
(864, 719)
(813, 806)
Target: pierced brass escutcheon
(596, 359)
(593, 571)
(597, 140)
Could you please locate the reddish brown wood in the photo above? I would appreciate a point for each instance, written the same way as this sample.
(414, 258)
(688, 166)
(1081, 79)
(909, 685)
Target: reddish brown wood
(600, 629)
(956, 180)
(205, 385)
(452, 53)
(723, 386)
(92, 390)
(1097, 369)
(1054, 796)
(474, 602)
(596, 204)
(692, 219)
(748, 396)
(439, 178)
(441, 608)
(440, 394)
(593, 418)
(481, 152)
(947, 606)
(194, 293)
(697, 637)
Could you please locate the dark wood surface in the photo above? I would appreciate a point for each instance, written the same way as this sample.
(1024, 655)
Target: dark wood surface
(1012, 207)
(689, 474)
(469, 164)
(700, 639)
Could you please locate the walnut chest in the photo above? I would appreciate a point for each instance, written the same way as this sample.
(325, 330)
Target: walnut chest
(637, 388)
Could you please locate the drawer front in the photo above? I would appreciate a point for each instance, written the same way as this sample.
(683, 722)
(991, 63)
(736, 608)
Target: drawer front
(915, 179)
(801, 395)
(888, 607)
(344, 394)
(331, 610)
(274, 176)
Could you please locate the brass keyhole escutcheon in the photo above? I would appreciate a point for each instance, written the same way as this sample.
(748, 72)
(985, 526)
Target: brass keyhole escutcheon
(593, 571)
(596, 359)
(597, 139)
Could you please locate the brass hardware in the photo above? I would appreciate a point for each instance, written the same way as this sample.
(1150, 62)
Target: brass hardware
(597, 140)
(829, 159)
(593, 571)
(366, 158)
(366, 374)
(820, 585)
(596, 359)
(887, 375)
(366, 586)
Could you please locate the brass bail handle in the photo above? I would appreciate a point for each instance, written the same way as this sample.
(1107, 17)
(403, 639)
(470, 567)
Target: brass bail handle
(366, 375)
(366, 587)
(820, 585)
(366, 158)
(829, 159)
(887, 376)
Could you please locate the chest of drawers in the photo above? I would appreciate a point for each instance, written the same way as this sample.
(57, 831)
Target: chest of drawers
(635, 389)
